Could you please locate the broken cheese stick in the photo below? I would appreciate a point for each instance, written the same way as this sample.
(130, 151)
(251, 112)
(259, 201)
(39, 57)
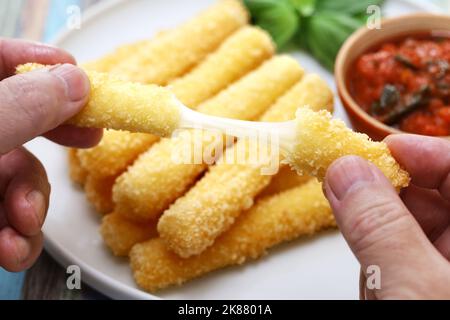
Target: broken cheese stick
(121, 105)
(241, 52)
(273, 220)
(155, 181)
(319, 140)
(210, 207)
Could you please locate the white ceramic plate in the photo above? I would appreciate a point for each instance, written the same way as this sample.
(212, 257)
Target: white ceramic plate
(321, 267)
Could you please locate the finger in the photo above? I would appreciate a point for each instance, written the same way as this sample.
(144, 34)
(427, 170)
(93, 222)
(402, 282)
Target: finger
(377, 226)
(427, 159)
(71, 136)
(26, 191)
(442, 244)
(14, 52)
(18, 253)
(37, 102)
(428, 208)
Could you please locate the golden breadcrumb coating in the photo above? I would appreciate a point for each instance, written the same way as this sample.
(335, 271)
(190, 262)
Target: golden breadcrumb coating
(320, 140)
(240, 53)
(261, 88)
(116, 151)
(178, 50)
(76, 172)
(285, 179)
(121, 234)
(208, 209)
(119, 55)
(121, 105)
(311, 90)
(155, 181)
(98, 193)
(282, 217)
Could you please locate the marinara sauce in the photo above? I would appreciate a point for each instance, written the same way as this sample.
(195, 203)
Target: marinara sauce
(405, 83)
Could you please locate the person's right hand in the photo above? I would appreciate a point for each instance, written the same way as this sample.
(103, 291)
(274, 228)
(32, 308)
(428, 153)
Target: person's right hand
(406, 236)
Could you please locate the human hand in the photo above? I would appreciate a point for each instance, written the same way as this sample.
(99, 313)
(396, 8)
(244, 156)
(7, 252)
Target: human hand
(406, 236)
(33, 104)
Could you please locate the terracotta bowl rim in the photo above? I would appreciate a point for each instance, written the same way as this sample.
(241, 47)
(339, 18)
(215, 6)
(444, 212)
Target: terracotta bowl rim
(340, 74)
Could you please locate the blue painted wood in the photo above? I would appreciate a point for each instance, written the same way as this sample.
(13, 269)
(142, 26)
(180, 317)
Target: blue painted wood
(11, 285)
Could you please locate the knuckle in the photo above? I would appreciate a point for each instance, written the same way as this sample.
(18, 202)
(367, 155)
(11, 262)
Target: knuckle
(29, 100)
(375, 221)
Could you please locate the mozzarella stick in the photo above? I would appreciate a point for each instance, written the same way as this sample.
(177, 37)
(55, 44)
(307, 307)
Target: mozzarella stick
(121, 105)
(273, 220)
(320, 140)
(115, 152)
(240, 53)
(76, 172)
(178, 50)
(98, 192)
(119, 55)
(154, 181)
(285, 179)
(208, 209)
(120, 234)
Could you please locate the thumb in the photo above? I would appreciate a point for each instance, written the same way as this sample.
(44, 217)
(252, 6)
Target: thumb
(376, 224)
(37, 102)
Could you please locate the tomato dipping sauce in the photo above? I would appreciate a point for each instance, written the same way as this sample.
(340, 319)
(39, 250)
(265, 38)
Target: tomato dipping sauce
(405, 83)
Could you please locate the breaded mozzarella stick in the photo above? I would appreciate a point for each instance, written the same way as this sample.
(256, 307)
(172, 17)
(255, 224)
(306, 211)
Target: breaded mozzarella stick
(319, 140)
(115, 152)
(155, 180)
(242, 52)
(273, 220)
(76, 171)
(120, 234)
(209, 208)
(121, 105)
(239, 54)
(98, 193)
(174, 52)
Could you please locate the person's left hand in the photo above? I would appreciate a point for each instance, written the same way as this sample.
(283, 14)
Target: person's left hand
(31, 105)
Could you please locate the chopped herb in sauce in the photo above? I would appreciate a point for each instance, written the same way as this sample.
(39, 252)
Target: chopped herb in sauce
(406, 84)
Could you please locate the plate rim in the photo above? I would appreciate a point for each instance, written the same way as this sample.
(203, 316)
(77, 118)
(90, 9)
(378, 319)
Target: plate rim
(104, 284)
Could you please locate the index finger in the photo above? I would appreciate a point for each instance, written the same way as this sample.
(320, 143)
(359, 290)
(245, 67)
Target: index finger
(427, 159)
(15, 52)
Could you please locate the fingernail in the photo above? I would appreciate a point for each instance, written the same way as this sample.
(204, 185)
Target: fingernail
(346, 172)
(37, 202)
(75, 80)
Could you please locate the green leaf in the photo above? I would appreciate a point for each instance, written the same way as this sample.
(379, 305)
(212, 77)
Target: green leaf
(305, 7)
(351, 7)
(278, 17)
(325, 34)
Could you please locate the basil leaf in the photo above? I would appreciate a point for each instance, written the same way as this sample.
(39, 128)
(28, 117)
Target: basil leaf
(278, 17)
(325, 34)
(305, 7)
(351, 7)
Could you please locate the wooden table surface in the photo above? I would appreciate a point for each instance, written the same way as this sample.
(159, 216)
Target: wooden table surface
(41, 20)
